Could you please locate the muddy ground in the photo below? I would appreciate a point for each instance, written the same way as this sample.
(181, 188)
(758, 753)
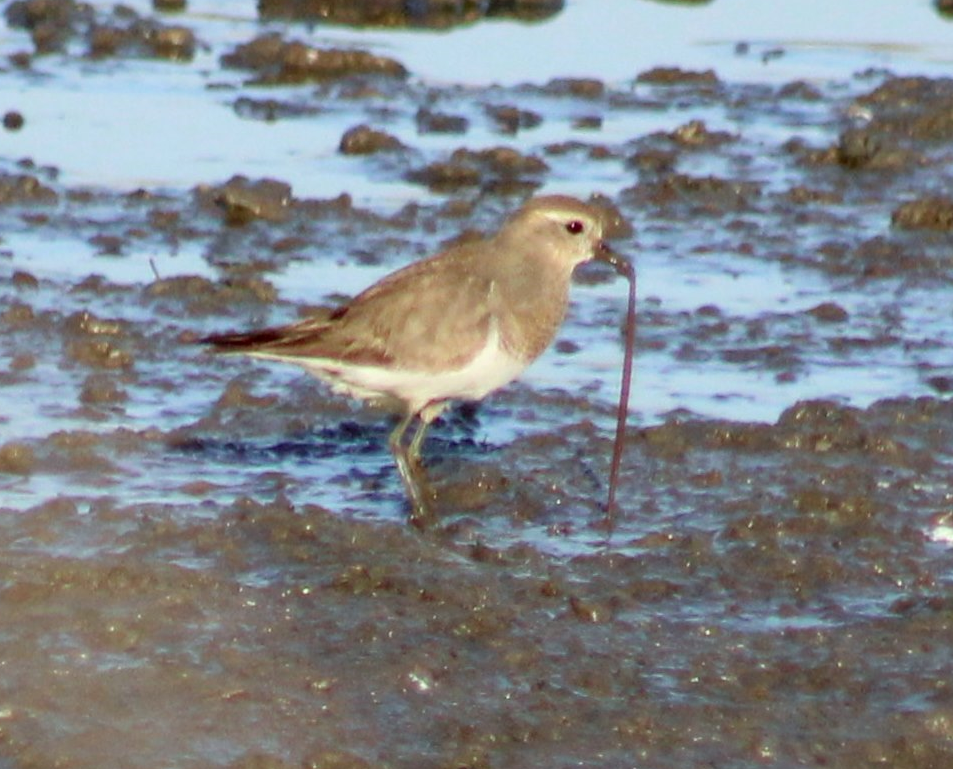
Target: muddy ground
(204, 562)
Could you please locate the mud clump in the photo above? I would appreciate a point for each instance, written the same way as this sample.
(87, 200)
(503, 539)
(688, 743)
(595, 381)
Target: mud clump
(802, 195)
(829, 312)
(707, 195)
(510, 119)
(882, 257)
(499, 168)
(13, 120)
(587, 123)
(433, 122)
(696, 135)
(17, 458)
(819, 426)
(17, 315)
(903, 119)
(102, 390)
(142, 37)
(27, 189)
(276, 61)
(657, 154)
(242, 200)
(52, 23)
(576, 87)
(800, 90)
(98, 353)
(930, 213)
(675, 76)
(914, 108)
(364, 140)
(271, 110)
(653, 160)
(428, 14)
(201, 296)
(868, 149)
(446, 176)
(823, 426)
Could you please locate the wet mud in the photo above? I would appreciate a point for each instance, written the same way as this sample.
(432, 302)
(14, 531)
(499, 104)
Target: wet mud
(206, 562)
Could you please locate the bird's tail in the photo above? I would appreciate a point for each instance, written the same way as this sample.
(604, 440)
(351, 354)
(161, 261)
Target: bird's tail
(265, 339)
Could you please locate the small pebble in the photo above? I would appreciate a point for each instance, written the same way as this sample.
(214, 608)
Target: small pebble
(13, 120)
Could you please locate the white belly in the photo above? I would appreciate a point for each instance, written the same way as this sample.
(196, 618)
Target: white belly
(489, 370)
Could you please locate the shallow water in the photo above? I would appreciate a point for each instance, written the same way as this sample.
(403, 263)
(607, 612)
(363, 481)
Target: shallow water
(205, 561)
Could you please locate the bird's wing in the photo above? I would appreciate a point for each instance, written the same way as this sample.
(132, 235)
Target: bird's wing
(427, 316)
(430, 315)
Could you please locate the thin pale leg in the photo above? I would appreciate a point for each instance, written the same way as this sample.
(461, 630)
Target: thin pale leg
(408, 465)
(417, 441)
(427, 415)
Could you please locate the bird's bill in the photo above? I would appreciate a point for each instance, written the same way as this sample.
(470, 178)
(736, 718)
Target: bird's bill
(606, 254)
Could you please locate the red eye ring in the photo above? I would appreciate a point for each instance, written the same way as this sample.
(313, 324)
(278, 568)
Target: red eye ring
(575, 227)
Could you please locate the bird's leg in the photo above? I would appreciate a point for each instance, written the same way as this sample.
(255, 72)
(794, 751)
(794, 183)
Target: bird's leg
(408, 465)
(418, 441)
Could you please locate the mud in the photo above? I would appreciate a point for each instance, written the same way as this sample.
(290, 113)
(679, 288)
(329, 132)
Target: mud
(395, 13)
(279, 61)
(206, 562)
(54, 24)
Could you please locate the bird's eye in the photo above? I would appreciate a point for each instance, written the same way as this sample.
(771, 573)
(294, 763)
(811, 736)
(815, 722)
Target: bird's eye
(575, 227)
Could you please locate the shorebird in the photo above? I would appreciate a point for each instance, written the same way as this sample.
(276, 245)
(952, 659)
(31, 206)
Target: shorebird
(455, 326)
